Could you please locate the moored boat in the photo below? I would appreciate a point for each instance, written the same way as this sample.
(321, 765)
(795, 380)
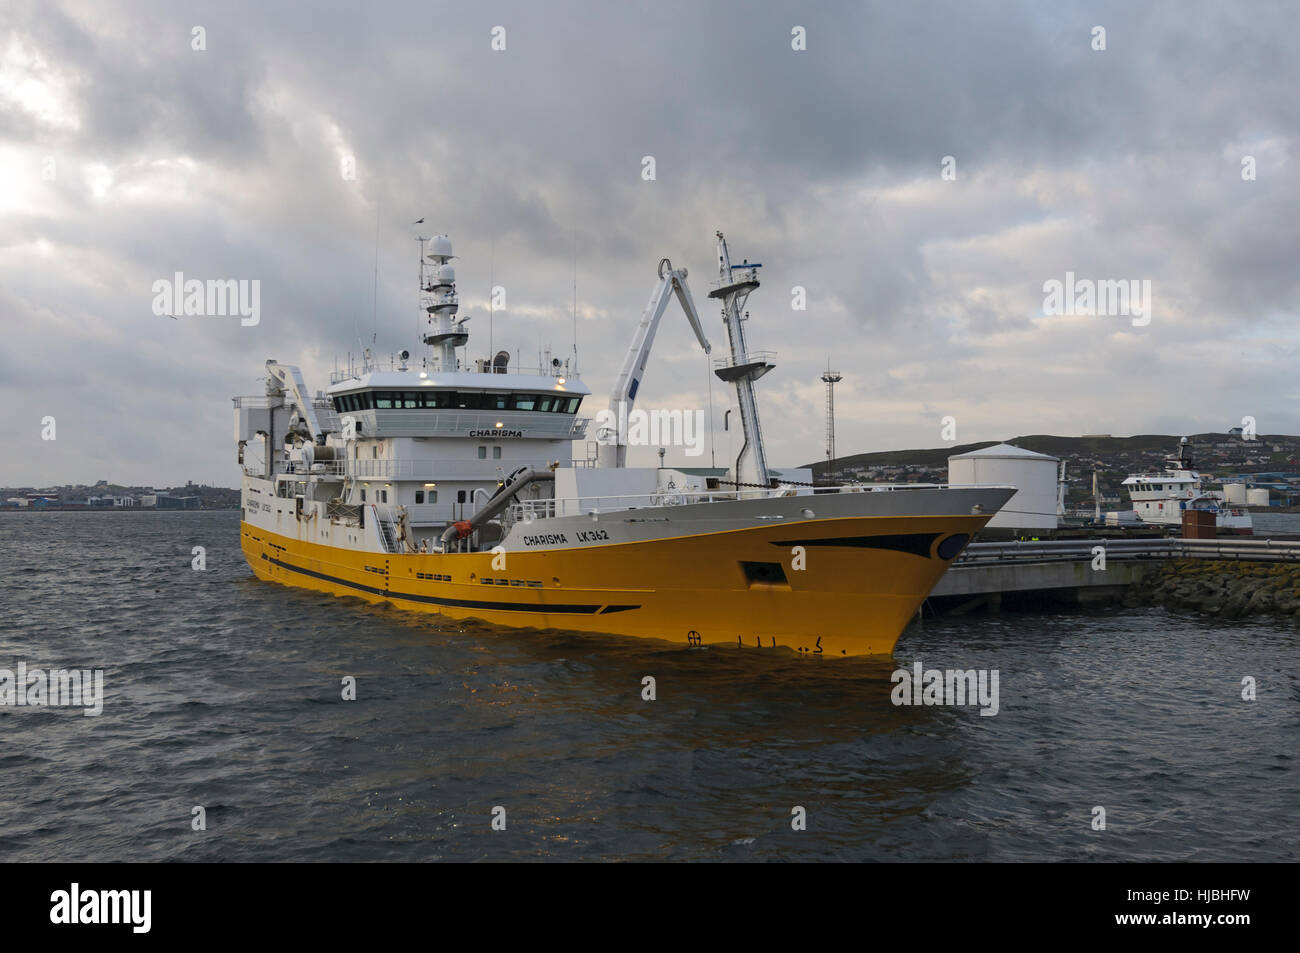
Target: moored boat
(448, 484)
(1162, 498)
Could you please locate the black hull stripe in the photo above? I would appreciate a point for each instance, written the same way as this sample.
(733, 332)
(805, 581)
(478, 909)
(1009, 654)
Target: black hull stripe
(917, 544)
(569, 608)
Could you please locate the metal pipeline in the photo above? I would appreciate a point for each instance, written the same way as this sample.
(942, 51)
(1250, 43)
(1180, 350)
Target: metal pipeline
(499, 501)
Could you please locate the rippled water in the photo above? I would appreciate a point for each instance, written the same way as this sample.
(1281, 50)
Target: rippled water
(223, 691)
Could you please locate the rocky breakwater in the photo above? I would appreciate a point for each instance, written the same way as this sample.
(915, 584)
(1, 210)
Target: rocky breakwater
(1227, 589)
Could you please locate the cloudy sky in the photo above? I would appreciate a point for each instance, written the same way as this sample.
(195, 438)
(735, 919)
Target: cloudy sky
(126, 155)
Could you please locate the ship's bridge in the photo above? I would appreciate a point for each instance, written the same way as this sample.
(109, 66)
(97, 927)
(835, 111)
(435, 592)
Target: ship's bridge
(420, 403)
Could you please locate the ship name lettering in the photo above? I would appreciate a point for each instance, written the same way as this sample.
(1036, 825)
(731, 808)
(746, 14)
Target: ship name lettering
(545, 539)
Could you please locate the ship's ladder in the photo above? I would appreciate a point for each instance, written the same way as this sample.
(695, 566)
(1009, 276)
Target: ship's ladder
(386, 533)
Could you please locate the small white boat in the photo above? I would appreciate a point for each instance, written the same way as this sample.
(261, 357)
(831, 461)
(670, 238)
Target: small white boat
(1161, 498)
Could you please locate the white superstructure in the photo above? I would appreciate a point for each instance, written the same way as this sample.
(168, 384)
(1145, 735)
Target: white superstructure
(442, 448)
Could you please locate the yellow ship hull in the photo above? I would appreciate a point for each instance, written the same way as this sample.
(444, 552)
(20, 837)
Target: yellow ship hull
(830, 587)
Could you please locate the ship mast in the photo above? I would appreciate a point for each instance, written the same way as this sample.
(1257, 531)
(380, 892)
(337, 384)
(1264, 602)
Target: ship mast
(741, 369)
(443, 331)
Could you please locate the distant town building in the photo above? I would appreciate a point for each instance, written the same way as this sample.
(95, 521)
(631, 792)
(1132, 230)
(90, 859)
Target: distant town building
(165, 501)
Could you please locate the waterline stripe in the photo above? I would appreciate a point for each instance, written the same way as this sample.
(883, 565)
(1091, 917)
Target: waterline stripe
(570, 608)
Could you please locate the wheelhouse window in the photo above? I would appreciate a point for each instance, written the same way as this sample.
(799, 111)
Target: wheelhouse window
(350, 403)
(429, 399)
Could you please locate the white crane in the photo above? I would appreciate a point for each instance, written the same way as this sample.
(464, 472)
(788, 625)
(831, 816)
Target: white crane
(288, 377)
(613, 438)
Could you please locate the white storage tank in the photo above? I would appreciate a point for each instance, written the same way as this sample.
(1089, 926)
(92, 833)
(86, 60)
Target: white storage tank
(1257, 497)
(1033, 474)
(1234, 493)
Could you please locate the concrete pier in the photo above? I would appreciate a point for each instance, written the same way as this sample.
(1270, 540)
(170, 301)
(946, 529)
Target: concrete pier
(1079, 571)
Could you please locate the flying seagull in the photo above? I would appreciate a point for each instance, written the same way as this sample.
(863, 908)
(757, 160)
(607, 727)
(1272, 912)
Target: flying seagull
(418, 221)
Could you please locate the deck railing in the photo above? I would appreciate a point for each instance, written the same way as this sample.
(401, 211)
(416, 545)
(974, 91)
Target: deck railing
(1075, 550)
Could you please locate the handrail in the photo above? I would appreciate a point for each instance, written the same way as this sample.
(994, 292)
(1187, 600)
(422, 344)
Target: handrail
(753, 357)
(394, 364)
(1074, 550)
(582, 505)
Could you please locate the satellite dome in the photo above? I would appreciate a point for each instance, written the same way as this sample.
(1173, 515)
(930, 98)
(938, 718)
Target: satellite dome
(446, 274)
(440, 247)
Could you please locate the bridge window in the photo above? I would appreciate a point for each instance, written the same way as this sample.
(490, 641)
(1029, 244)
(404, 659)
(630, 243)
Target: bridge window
(349, 403)
(496, 453)
(429, 399)
(482, 453)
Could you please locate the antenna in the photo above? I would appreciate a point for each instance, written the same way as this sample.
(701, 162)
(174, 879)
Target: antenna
(374, 300)
(419, 280)
(575, 299)
(713, 454)
(831, 378)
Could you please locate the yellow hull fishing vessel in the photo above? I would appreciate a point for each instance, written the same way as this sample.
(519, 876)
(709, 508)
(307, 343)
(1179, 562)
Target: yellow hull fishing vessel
(449, 486)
